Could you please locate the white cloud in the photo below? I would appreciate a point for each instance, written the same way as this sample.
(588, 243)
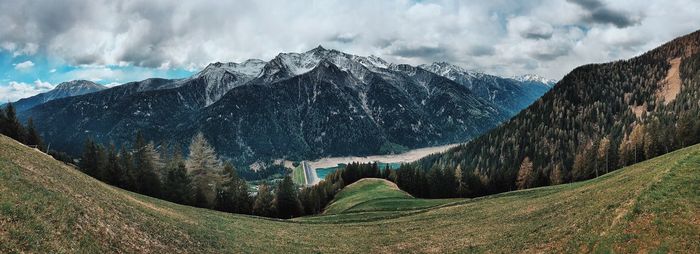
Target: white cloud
(18, 90)
(52, 70)
(26, 65)
(546, 37)
(97, 73)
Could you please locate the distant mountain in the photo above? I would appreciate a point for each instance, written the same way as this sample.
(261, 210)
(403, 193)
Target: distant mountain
(512, 94)
(62, 90)
(535, 79)
(298, 106)
(598, 118)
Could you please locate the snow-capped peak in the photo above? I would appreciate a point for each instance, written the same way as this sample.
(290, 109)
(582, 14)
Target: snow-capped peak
(291, 64)
(250, 67)
(78, 85)
(222, 77)
(451, 71)
(444, 69)
(534, 78)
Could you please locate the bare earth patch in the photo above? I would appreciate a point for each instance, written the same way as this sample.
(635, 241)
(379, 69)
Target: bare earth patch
(638, 110)
(671, 85)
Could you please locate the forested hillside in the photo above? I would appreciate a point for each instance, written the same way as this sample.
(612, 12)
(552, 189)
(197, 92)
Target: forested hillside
(598, 118)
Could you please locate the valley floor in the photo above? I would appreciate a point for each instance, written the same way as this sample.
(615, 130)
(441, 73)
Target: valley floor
(47, 206)
(408, 156)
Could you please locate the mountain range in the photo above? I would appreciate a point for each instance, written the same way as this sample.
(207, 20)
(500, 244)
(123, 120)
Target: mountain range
(296, 106)
(62, 90)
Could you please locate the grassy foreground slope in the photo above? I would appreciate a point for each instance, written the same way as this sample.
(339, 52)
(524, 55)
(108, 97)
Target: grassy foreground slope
(372, 194)
(655, 205)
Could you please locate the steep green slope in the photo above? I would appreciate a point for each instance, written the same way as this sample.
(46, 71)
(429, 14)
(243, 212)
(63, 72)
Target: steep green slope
(47, 206)
(371, 195)
(599, 117)
(298, 176)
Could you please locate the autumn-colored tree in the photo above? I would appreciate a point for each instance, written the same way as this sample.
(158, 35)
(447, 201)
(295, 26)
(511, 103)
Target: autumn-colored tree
(637, 142)
(555, 176)
(603, 154)
(524, 174)
(461, 184)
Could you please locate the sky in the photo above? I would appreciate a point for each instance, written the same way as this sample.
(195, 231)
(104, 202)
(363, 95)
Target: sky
(43, 43)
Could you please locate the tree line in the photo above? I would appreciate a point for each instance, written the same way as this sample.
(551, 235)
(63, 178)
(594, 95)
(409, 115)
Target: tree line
(10, 126)
(201, 179)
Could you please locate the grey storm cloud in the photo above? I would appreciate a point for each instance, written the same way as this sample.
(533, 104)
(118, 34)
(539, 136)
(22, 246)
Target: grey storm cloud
(343, 38)
(599, 13)
(546, 37)
(481, 50)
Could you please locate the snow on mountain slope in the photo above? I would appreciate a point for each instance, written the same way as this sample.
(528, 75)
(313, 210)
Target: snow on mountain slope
(287, 65)
(535, 78)
(219, 78)
(512, 94)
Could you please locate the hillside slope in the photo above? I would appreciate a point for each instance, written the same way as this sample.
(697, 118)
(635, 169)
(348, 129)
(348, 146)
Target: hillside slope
(598, 118)
(655, 205)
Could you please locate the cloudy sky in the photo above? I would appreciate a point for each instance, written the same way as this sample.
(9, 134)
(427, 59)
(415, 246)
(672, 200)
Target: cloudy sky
(43, 43)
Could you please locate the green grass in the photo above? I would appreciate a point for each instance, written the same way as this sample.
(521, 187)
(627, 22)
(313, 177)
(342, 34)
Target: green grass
(298, 176)
(654, 206)
(371, 195)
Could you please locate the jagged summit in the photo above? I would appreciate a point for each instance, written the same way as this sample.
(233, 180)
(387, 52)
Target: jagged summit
(250, 67)
(446, 69)
(534, 78)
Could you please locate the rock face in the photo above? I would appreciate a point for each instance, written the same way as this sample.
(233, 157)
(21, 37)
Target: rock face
(298, 105)
(65, 89)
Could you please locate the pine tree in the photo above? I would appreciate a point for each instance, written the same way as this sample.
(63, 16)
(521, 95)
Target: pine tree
(287, 199)
(12, 127)
(114, 173)
(685, 131)
(310, 199)
(145, 158)
(89, 161)
(205, 170)
(33, 138)
(177, 185)
(126, 162)
(264, 202)
(233, 193)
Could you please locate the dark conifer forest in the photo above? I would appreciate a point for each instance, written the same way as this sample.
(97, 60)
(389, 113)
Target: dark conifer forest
(598, 118)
